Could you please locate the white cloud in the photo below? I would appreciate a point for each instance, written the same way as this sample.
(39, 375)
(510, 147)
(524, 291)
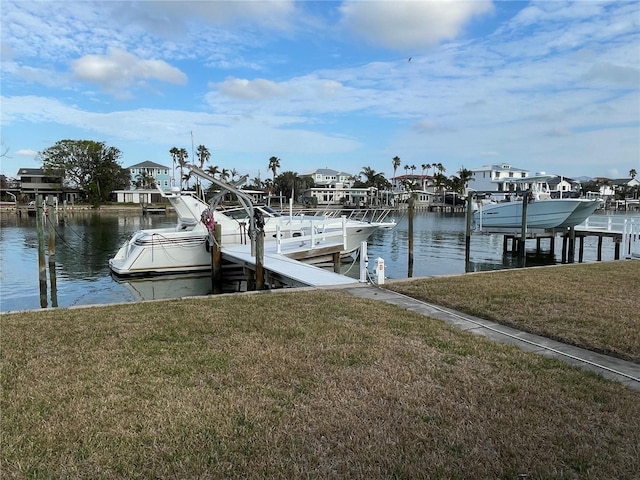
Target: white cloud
(258, 89)
(410, 25)
(26, 152)
(118, 70)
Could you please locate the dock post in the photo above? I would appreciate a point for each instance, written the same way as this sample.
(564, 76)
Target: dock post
(260, 260)
(565, 239)
(523, 228)
(410, 236)
(42, 268)
(616, 248)
(599, 248)
(50, 215)
(580, 248)
(572, 245)
(216, 259)
(467, 239)
(363, 262)
(336, 262)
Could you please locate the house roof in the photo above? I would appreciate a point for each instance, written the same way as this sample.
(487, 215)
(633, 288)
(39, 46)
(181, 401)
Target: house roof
(498, 166)
(625, 181)
(38, 172)
(147, 164)
(556, 180)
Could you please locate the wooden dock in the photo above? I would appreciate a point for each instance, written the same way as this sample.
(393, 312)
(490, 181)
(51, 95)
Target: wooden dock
(623, 230)
(280, 269)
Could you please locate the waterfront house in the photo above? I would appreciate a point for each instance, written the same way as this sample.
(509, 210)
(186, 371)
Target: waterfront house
(36, 181)
(497, 178)
(325, 177)
(147, 174)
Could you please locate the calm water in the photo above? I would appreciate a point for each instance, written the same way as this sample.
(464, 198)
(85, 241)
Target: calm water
(86, 241)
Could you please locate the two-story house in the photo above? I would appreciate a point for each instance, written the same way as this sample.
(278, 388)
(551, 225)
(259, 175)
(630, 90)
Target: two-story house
(497, 178)
(148, 174)
(35, 181)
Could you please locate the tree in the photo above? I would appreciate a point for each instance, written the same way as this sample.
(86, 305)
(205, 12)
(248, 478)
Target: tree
(633, 173)
(203, 155)
(86, 165)
(290, 184)
(274, 165)
(179, 156)
(145, 180)
(459, 183)
(396, 164)
(213, 170)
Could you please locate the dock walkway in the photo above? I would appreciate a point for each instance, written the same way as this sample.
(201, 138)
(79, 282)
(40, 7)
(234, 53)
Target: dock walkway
(280, 268)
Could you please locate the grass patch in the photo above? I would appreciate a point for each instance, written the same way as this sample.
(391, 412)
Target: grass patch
(295, 384)
(594, 306)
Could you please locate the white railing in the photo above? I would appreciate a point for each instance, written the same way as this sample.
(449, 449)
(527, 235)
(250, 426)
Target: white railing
(631, 239)
(607, 223)
(319, 234)
(628, 227)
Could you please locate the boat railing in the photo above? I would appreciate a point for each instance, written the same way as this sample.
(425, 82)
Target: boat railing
(317, 236)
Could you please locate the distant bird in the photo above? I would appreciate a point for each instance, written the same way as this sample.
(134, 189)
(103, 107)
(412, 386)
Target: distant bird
(410, 58)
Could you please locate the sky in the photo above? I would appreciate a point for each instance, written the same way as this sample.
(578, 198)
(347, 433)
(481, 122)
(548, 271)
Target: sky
(547, 86)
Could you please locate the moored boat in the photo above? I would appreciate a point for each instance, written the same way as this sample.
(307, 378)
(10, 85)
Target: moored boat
(186, 246)
(543, 211)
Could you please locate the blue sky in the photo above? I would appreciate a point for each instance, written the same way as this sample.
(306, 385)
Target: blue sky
(546, 86)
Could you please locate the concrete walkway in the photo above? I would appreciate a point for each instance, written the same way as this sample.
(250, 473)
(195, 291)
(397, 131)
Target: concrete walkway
(612, 368)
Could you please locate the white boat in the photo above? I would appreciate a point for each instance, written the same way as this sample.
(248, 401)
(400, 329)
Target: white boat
(543, 211)
(185, 247)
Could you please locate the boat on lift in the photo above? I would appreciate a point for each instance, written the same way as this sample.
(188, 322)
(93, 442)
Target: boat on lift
(543, 211)
(186, 246)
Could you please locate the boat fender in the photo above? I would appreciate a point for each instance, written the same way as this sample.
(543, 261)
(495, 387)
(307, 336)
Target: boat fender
(207, 219)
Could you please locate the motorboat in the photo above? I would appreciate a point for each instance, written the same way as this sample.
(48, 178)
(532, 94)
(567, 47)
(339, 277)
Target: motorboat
(543, 211)
(186, 247)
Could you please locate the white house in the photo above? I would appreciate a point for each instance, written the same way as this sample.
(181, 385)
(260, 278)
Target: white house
(497, 178)
(325, 177)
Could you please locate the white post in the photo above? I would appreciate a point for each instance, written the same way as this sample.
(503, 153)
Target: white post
(278, 239)
(380, 271)
(344, 231)
(364, 261)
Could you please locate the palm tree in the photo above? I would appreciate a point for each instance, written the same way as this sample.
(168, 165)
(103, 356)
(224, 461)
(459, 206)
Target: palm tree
(413, 170)
(145, 180)
(425, 167)
(203, 155)
(213, 171)
(406, 170)
(274, 165)
(633, 173)
(396, 164)
(179, 156)
(464, 175)
(370, 175)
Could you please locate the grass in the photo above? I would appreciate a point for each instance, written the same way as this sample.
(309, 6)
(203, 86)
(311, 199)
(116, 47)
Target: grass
(296, 384)
(595, 306)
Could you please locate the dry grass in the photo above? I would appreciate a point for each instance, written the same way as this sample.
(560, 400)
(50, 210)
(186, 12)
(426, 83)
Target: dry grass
(594, 306)
(295, 385)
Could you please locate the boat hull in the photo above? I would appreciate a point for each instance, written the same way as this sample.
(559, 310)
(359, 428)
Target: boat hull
(552, 213)
(185, 249)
